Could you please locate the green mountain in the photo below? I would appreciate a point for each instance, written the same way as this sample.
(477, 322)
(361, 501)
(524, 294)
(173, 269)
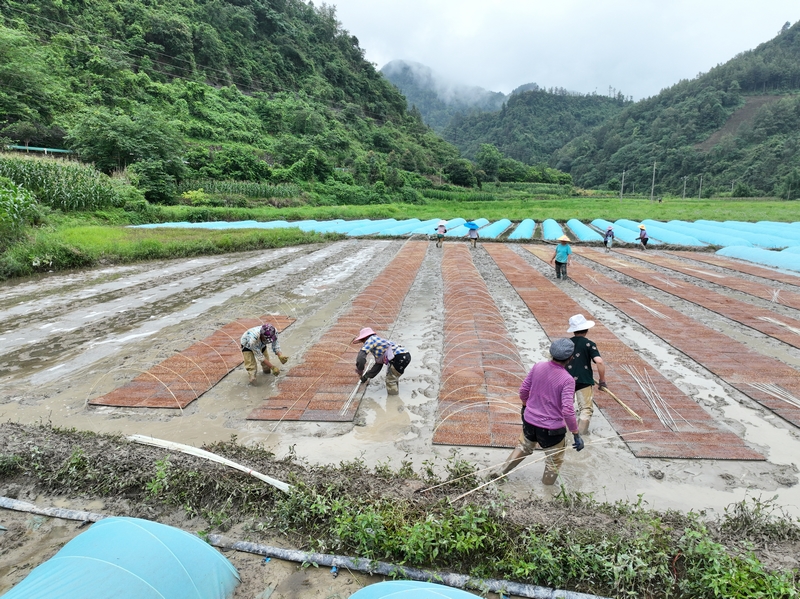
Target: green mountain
(437, 99)
(532, 124)
(527, 125)
(261, 90)
(737, 126)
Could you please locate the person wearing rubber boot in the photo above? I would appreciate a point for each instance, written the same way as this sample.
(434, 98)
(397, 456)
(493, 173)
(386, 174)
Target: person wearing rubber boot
(586, 354)
(547, 412)
(385, 352)
(254, 350)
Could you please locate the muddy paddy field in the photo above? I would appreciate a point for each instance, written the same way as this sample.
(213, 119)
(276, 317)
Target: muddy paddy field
(67, 339)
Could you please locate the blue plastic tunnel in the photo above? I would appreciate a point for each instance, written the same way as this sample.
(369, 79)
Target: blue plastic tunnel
(462, 230)
(524, 230)
(785, 260)
(582, 231)
(494, 230)
(551, 230)
(129, 558)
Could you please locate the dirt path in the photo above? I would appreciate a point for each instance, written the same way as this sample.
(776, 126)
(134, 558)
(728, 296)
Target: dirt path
(65, 338)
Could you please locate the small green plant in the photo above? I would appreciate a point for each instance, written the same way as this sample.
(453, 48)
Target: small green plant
(160, 482)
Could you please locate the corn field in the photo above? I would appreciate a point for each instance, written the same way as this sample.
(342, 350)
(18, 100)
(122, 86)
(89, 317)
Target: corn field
(17, 207)
(458, 196)
(60, 184)
(249, 189)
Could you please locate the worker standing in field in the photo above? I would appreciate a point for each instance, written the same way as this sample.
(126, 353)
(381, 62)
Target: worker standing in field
(643, 237)
(254, 350)
(441, 229)
(473, 237)
(608, 238)
(385, 352)
(561, 257)
(580, 367)
(547, 394)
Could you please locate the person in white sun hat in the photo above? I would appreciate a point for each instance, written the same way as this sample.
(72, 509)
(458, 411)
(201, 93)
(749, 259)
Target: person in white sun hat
(585, 354)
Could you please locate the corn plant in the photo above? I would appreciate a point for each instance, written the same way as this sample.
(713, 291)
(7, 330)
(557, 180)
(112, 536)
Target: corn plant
(249, 189)
(67, 186)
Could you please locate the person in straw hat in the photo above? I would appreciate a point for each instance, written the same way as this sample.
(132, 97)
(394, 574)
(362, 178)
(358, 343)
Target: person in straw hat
(547, 412)
(643, 237)
(441, 229)
(608, 238)
(385, 352)
(580, 367)
(561, 257)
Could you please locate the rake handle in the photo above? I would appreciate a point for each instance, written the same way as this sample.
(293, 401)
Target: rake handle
(623, 404)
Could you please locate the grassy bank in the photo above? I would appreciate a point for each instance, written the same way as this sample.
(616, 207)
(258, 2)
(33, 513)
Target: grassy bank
(79, 246)
(395, 515)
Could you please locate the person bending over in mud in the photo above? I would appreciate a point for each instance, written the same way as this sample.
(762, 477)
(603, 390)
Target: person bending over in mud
(254, 350)
(385, 352)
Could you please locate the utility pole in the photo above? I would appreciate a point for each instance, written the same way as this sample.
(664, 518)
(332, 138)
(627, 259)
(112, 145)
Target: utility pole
(700, 193)
(622, 186)
(684, 187)
(732, 182)
(653, 185)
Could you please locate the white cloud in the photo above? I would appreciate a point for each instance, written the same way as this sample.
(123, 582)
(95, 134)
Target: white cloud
(636, 46)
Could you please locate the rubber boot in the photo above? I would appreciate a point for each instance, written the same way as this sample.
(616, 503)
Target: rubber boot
(514, 460)
(553, 462)
(392, 381)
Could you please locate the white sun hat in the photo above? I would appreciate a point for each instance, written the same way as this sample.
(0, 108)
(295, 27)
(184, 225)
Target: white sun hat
(579, 323)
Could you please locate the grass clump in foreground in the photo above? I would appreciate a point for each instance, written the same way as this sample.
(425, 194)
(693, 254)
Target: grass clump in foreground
(573, 542)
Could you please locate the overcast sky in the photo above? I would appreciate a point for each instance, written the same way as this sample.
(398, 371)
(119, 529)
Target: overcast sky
(638, 47)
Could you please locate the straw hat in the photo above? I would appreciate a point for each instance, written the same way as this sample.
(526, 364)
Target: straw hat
(563, 238)
(610, 227)
(579, 323)
(642, 227)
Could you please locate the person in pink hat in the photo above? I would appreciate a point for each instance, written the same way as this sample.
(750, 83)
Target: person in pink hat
(254, 350)
(385, 352)
(608, 238)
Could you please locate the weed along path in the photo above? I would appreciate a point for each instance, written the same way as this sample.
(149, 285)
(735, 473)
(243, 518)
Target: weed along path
(473, 321)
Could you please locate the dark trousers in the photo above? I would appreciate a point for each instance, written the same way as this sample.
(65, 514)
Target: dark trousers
(561, 269)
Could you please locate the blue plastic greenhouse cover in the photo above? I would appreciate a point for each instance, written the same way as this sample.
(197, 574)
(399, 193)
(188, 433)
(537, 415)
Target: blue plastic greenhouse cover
(461, 230)
(763, 234)
(403, 227)
(551, 229)
(795, 249)
(707, 234)
(620, 233)
(373, 227)
(128, 558)
(785, 260)
(583, 232)
(524, 230)
(321, 226)
(409, 589)
(496, 229)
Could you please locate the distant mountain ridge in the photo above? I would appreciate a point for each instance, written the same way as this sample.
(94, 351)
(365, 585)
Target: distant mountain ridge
(437, 98)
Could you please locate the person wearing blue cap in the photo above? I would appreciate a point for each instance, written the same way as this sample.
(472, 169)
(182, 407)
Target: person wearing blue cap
(547, 395)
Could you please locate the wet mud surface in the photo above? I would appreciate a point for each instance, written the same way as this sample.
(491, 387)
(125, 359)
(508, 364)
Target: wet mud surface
(66, 338)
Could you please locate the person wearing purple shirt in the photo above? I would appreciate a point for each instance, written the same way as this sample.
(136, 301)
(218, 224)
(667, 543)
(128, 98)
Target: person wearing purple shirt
(547, 395)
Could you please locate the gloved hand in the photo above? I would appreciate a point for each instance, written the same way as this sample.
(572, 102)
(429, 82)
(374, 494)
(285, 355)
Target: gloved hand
(359, 372)
(276, 371)
(577, 444)
(364, 378)
(283, 359)
(601, 386)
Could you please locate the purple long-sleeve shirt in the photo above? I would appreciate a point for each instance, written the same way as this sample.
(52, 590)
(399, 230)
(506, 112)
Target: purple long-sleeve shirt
(548, 392)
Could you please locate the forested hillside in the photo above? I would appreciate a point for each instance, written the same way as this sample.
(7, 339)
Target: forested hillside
(760, 155)
(437, 100)
(261, 90)
(533, 124)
